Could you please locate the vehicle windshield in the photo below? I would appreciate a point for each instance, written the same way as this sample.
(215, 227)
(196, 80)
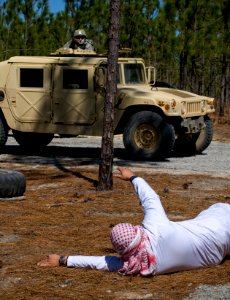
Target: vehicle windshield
(134, 73)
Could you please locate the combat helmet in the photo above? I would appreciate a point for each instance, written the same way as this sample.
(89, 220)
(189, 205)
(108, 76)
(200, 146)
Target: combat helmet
(79, 32)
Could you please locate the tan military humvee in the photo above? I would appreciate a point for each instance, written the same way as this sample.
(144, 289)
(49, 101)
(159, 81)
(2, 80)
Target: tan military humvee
(64, 94)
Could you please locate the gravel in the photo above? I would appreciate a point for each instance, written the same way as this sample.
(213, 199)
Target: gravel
(212, 292)
(214, 161)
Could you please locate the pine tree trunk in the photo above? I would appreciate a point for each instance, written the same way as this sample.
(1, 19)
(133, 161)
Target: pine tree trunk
(223, 86)
(183, 70)
(105, 181)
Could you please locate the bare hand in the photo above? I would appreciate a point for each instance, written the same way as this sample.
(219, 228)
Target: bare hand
(125, 173)
(51, 261)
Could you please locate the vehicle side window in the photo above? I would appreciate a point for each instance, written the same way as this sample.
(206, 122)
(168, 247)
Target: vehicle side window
(31, 77)
(75, 79)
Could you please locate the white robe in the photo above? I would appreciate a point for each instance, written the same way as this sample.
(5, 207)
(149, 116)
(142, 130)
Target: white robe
(199, 242)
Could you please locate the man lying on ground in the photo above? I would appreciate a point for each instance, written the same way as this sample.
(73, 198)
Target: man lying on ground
(158, 245)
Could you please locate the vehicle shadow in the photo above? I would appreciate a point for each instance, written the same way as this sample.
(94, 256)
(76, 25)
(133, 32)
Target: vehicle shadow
(62, 151)
(87, 154)
(68, 159)
(63, 158)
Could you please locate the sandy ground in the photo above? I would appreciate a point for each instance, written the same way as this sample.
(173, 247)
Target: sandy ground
(61, 212)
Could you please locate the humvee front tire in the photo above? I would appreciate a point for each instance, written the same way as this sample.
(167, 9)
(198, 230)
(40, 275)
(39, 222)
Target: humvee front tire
(195, 143)
(205, 136)
(31, 140)
(12, 184)
(148, 136)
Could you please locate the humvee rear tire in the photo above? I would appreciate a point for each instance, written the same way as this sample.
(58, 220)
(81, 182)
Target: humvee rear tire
(3, 133)
(195, 143)
(12, 184)
(31, 140)
(148, 136)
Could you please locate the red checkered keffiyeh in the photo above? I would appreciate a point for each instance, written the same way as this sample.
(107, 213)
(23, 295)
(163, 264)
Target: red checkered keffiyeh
(133, 244)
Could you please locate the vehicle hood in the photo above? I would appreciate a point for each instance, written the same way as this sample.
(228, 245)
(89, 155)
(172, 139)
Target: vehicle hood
(148, 92)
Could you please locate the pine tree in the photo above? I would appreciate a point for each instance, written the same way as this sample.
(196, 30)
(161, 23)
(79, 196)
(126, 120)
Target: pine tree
(137, 26)
(165, 55)
(25, 26)
(225, 56)
(105, 181)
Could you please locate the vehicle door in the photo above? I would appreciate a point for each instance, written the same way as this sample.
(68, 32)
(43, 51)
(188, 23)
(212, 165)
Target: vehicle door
(28, 90)
(73, 95)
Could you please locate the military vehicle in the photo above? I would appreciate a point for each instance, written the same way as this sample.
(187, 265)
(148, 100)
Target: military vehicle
(63, 95)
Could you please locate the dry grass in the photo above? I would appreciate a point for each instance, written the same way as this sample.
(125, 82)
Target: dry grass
(62, 213)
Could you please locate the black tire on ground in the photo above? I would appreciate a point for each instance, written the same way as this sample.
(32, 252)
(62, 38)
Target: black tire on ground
(148, 136)
(12, 183)
(195, 143)
(31, 140)
(3, 134)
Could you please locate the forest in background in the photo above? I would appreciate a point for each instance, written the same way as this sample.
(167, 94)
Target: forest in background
(188, 41)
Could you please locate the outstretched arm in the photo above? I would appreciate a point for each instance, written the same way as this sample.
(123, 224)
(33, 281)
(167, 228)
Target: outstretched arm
(153, 210)
(107, 263)
(53, 260)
